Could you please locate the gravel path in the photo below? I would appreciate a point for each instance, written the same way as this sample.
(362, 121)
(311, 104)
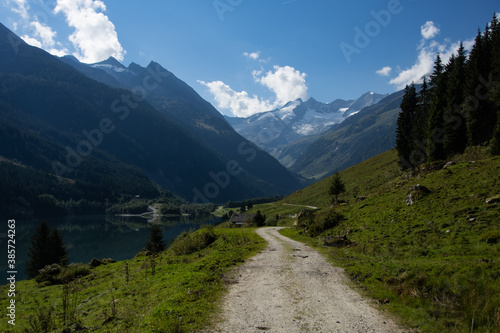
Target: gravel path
(289, 287)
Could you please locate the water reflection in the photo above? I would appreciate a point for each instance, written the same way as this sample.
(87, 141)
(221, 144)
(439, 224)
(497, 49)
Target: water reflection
(88, 237)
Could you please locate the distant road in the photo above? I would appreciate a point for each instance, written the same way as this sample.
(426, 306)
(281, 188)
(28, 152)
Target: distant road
(310, 207)
(289, 287)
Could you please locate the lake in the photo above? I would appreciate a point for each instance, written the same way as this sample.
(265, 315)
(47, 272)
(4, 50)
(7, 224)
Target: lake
(88, 237)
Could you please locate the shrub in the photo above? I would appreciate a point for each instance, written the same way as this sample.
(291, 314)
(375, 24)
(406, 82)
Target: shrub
(73, 272)
(310, 225)
(187, 243)
(48, 274)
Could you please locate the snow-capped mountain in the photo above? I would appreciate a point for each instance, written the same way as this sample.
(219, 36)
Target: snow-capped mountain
(297, 120)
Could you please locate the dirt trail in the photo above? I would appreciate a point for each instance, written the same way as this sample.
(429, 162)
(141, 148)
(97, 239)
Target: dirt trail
(289, 287)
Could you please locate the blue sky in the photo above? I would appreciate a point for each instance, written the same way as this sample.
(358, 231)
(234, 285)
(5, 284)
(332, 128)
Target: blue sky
(248, 56)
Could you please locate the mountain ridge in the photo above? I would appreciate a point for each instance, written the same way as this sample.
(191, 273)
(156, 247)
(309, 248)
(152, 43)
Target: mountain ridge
(297, 121)
(82, 130)
(180, 103)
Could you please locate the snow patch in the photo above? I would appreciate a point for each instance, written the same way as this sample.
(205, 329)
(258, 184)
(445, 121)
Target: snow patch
(111, 67)
(287, 111)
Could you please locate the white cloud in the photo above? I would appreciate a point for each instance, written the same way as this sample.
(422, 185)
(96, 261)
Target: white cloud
(428, 50)
(240, 103)
(95, 37)
(422, 67)
(287, 84)
(47, 36)
(385, 71)
(21, 7)
(32, 41)
(429, 30)
(45, 33)
(253, 55)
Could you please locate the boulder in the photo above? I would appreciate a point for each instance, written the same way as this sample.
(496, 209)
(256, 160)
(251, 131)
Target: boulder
(415, 193)
(95, 262)
(449, 164)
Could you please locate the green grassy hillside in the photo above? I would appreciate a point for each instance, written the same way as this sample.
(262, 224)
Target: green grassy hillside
(178, 291)
(436, 263)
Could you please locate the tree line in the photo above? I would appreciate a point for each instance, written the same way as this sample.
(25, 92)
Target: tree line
(456, 107)
(48, 248)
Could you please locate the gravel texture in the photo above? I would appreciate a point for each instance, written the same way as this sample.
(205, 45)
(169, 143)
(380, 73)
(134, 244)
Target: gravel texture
(289, 287)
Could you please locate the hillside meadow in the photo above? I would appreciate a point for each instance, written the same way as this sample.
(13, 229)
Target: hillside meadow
(178, 290)
(434, 263)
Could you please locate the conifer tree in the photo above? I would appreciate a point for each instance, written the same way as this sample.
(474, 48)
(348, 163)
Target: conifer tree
(46, 248)
(58, 250)
(437, 71)
(435, 126)
(419, 128)
(405, 123)
(479, 110)
(259, 219)
(155, 244)
(455, 129)
(495, 93)
(336, 188)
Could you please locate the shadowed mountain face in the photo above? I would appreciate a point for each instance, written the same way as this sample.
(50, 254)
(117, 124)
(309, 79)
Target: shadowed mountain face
(179, 103)
(59, 122)
(367, 133)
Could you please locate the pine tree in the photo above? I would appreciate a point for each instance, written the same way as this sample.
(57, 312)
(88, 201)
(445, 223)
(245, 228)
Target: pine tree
(155, 244)
(479, 110)
(58, 252)
(404, 131)
(495, 94)
(419, 128)
(46, 248)
(435, 126)
(438, 70)
(455, 129)
(259, 219)
(336, 188)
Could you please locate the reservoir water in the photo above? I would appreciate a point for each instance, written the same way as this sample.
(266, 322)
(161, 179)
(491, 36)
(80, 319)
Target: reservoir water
(88, 237)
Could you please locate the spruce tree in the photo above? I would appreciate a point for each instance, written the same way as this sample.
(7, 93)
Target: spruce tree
(259, 219)
(336, 188)
(405, 123)
(46, 248)
(495, 93)
(455, 129)
(435, 126)
(155, 244)
(495, 62)
(479, 110)
(419, 127)
(58, 252)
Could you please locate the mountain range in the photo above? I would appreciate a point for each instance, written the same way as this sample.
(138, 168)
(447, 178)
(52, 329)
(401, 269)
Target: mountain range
(178, 102)
(105, 131)
(120, 136)
(361, 136)
(290, 125)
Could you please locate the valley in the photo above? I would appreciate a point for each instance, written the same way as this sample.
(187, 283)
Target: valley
(396, 195)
